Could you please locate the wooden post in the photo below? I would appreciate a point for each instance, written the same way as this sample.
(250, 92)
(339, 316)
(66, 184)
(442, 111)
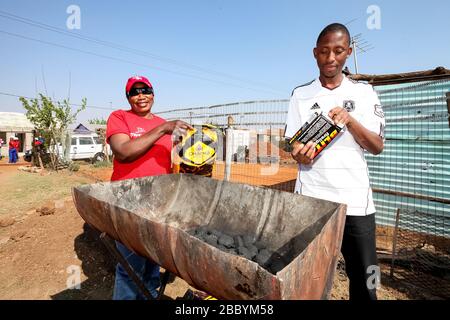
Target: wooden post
(394, 242)
(40, 160)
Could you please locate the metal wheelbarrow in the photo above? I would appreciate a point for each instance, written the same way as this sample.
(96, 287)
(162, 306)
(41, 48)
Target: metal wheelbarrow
(155, 216)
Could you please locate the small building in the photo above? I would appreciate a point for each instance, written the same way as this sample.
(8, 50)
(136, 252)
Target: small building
(88, 128)
(15, 124)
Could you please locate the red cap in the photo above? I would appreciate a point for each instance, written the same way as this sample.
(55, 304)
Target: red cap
(134, 80)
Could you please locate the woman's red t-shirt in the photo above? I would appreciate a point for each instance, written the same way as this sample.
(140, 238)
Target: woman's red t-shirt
(156, 161)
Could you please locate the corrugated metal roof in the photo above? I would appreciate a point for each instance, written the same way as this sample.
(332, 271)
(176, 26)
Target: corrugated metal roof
(14, 121)
(382, 79)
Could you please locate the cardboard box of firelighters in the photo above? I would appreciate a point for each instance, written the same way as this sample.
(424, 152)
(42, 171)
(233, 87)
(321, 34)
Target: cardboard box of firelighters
(319, 128)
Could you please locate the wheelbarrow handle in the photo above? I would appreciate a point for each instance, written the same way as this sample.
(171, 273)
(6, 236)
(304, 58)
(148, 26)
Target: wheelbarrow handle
(106, 241)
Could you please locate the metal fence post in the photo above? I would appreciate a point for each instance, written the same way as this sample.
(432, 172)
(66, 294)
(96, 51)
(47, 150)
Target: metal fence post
(394, 242)
(228, 153)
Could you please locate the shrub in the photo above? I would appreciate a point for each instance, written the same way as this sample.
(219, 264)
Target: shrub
(102, 164)
(73, 166)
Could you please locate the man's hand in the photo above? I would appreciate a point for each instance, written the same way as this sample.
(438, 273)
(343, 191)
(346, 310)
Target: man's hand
(302, 153)
(340, 116)
(368, 140)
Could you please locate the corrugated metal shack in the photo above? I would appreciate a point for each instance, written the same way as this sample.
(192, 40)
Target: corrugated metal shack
(413, 172)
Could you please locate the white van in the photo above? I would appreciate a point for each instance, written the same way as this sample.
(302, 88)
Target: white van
(87, 146)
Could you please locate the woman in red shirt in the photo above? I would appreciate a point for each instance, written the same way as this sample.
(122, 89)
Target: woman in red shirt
(141, 143)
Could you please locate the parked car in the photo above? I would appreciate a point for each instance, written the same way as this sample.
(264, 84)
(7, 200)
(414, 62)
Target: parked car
(87, 146)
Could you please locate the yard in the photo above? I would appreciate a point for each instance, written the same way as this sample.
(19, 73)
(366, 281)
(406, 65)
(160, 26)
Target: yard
(44, 242)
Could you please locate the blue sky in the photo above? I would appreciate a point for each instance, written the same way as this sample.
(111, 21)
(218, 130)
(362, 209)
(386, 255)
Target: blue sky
(200, 53)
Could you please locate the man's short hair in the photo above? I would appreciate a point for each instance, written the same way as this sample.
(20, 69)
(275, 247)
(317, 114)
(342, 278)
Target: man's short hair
(334, 27)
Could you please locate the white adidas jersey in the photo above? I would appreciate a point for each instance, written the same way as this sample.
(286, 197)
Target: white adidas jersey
(339, 173)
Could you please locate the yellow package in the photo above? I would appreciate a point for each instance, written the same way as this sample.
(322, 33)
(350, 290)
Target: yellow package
(196, 152)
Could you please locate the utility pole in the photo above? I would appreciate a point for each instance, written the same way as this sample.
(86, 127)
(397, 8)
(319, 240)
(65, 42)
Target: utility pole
(359, 45)
(229, 136)
(355, 59)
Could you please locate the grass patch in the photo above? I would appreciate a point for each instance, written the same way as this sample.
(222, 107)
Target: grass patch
(73, 166)
(102, 164)
(23, 191)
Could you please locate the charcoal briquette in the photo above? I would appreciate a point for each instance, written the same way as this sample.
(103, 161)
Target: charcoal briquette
(248, 240)
(238, 241)
(226, 241)
(217, 233)
(200, 232)
(253, 251)
(211, 239)
(260, 245)
(243, 251)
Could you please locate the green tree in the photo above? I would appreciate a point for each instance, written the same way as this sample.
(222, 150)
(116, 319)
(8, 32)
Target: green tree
(52, 119)
(97, 121)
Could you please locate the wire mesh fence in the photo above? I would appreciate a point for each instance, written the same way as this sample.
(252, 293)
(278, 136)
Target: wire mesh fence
(410, 178)
(421, 257)
(255, 131)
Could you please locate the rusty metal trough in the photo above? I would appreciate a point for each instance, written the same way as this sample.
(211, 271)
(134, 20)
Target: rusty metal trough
(153, 216)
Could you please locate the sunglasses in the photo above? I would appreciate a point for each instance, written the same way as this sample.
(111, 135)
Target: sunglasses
(136, 91)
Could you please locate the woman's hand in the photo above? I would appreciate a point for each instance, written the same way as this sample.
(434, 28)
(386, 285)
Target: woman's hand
(128, 150)
(176, 125)
(177, 129)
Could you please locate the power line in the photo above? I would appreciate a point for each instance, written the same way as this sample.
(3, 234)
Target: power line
(116, 46)
(131, 62)
(345, 24)
(71, 104)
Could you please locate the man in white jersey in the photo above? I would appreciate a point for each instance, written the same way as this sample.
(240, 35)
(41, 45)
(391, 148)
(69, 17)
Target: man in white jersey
(339, 173)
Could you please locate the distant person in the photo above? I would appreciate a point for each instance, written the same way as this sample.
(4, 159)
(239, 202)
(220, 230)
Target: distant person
(13, 149)
(141, 143)
(18, 146)
(17, 142)
(39, 149)
(1, 145)
(38, 141)
(38, 145)
(340, 172)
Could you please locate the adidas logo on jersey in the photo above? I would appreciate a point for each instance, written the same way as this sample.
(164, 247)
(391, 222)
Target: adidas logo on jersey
(315, 106)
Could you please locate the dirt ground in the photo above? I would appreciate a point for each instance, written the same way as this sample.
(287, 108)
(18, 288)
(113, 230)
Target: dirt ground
(45, 245)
